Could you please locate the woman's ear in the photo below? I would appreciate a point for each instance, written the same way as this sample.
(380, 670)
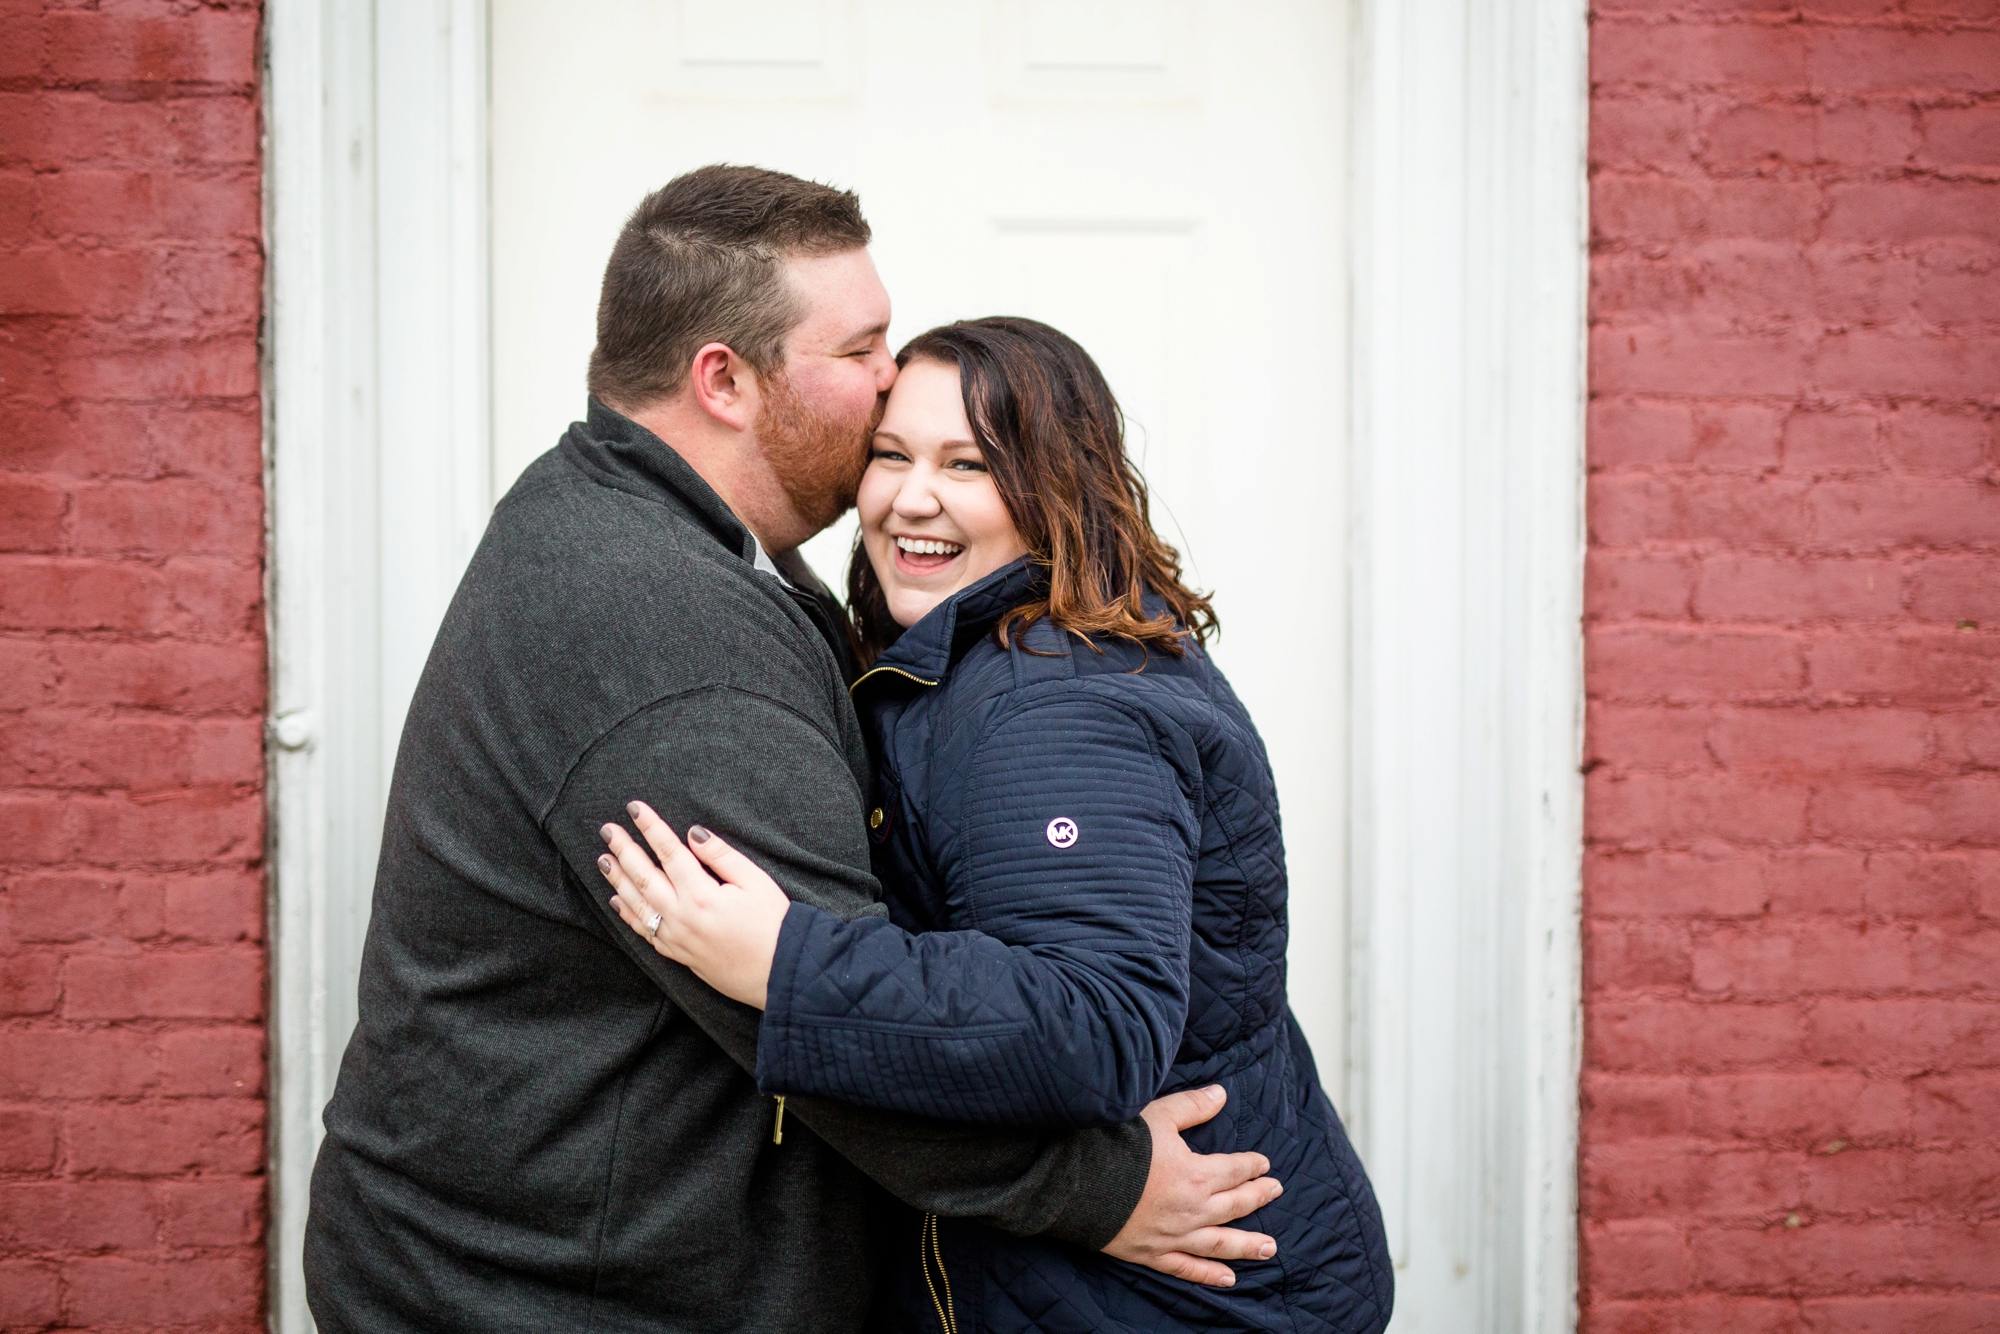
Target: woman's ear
(724, 386)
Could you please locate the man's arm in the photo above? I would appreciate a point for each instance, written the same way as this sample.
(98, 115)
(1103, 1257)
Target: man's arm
(783, 792)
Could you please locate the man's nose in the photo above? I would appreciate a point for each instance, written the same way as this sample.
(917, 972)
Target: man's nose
(885, 371)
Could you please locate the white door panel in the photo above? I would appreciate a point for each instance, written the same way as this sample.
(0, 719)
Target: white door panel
(1161, 179)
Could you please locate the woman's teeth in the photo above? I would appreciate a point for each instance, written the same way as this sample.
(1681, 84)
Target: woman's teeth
(923, 547)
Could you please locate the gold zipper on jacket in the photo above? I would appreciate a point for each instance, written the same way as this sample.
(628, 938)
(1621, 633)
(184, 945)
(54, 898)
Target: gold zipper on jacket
(927, 1250)
(897, 670)
(778, 1126)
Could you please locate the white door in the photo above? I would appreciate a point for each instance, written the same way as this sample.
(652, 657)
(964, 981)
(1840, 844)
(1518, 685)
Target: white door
(1161, 179)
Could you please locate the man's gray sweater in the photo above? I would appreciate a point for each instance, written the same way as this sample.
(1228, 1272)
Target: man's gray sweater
(540, 1124)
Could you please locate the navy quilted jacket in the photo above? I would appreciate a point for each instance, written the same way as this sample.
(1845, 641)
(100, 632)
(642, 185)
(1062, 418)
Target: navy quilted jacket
(1086, 887)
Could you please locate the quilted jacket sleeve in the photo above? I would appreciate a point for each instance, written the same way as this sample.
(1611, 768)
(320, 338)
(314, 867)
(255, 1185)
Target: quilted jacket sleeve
(1072, 852)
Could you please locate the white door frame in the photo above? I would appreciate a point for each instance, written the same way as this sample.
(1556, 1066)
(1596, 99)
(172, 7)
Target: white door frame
(1465, 708)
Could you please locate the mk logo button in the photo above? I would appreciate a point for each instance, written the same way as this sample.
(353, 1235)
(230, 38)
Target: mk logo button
(1062, 831)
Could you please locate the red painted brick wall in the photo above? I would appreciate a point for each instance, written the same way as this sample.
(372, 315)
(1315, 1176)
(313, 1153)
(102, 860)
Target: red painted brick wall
(1792, 888)
(131, 668)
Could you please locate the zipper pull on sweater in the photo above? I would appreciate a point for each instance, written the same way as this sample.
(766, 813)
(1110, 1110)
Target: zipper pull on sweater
(778, 1126)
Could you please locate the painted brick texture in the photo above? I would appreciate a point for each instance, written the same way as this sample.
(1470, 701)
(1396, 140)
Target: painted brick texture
(131, 668)
(1792, 884)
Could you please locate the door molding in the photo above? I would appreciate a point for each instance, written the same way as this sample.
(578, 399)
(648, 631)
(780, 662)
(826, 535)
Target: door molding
(378, 473)
(1465, 798)
(1467, 699)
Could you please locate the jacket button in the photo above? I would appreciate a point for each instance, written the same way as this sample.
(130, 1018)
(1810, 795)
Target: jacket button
(875, 818)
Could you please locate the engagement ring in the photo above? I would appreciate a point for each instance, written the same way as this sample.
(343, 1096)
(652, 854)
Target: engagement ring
(653, 926)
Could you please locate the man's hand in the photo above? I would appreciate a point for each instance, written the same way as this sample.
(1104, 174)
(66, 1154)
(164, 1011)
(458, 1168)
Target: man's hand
(1177, 1228)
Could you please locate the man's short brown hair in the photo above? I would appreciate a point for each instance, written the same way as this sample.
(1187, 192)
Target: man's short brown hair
(701, 261)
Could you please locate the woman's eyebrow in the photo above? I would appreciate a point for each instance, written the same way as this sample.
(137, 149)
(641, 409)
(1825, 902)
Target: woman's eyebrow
(889, 435)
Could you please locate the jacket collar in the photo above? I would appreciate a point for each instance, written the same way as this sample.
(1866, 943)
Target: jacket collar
(619, 453)
(926, 650)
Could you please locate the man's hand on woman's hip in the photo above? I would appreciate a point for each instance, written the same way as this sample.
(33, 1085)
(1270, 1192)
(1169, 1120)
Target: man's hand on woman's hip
(1177, 1228)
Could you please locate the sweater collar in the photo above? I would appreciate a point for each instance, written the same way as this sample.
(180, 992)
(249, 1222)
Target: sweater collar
(623, 455)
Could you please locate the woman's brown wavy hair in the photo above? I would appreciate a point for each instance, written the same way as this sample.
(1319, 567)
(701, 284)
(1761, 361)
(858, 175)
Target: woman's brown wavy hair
(1054, 440)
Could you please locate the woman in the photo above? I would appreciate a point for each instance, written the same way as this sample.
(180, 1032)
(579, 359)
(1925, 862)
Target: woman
(1077, 834)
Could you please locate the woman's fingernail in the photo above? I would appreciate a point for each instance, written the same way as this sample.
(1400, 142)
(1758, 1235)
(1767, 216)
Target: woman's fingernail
(697, 834)
(1213, 1092)
(1266, 1251)
(604, 863)
(604, 831)
(632, 809)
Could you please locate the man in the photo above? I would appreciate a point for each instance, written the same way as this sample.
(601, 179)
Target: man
(540, 1124)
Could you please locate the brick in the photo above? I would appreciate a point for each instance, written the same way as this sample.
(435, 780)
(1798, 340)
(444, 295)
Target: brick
(1822, 443)
(1909, 667)
(1618, 1108)
(1822, 1256)
(185, 984)
(1820, 739)
(1697, 55)
(31, 513)
(209, 1293)
(60, 1063)
(1881, 60)
(190, 596)
(1955, 284)
(127, 206)
(1792, 958)
(1888, 1034)
(27, 1140)
(1970, 739)
(1805, 1111)
(202, 46)
(143, 368)
(1642, 809)
(1962, 137)
(1866, 134)
(1681, 666)
(1956, 959)
(1624, 584)
(56, 907)
(1769, 511)
(177, 677)
(1957, 588)
(228, 1212)
(28, 674)
(30, 1294)
(1642, 132)
(166, 1139)
(1694, 1315)
(168, 516)
(1868, 361)
(1918, 885)
(1666, 1178)
(1628, 432)
(81, 751)
(1647, 736)
(1666, 210)
(84, 129)
(29, 983)
(1661, 1035)
(1959, 1107)
(1682, 358)
(1951, 1253)
(1631, 1258)
(1633, 956)
(215, 907)
(1672, 884)
(1902, 1312)
(1909, 210)
(182, 827)
(1759, 136)
(1789, 591)
(71, 1216)
(1936, 443)
(213, 1062)
(1965, 809)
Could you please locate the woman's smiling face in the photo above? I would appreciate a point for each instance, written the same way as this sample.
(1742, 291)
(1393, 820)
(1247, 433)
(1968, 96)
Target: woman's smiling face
(931, 518)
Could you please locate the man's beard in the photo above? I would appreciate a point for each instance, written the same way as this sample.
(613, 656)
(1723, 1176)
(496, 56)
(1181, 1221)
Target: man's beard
(818, 457)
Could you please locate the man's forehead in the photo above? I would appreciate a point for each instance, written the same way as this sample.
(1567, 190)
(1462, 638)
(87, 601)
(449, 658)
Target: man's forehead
(844, 295)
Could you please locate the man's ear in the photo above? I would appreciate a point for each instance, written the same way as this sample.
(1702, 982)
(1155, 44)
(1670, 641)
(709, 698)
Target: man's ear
(724, 386)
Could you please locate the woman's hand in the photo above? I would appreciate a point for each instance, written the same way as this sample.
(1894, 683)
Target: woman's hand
(725, 932)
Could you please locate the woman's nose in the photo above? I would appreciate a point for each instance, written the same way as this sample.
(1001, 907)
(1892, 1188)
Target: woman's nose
(915, 499)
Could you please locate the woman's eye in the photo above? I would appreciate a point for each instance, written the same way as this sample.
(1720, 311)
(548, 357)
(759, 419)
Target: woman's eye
(967, 465)
(889, 455)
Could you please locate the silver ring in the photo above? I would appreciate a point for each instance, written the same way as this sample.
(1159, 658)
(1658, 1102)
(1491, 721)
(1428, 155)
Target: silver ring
(653, 925)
